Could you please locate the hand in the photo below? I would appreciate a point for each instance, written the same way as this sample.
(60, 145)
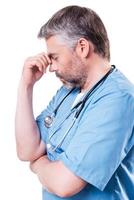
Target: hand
(37, 167)
(37, 164)
(34, 68)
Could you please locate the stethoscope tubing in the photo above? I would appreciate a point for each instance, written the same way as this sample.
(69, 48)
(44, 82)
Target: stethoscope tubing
(81, 104)
(52, 149)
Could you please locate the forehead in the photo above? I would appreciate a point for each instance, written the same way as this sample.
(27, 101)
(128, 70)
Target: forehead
(55, 45)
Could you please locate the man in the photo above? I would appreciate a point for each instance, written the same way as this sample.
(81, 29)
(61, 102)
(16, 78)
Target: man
(81, 145)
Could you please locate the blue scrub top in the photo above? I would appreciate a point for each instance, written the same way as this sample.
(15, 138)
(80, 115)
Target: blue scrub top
(99, 148)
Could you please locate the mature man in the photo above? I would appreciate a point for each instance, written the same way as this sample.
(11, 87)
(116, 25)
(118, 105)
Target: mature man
(82, 145)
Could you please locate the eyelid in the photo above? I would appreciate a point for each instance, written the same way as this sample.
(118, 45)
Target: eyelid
(55, 58)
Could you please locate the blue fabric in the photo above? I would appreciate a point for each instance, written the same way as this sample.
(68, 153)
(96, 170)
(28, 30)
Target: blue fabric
(100, 146)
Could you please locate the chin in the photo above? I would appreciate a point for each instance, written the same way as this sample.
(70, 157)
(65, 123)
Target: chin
(68, 86)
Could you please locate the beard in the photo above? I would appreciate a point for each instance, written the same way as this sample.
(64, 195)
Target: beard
(75, 75)
(70, 81)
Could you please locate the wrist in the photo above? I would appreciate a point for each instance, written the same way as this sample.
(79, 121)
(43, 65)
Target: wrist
(24, 88)
(24, 85)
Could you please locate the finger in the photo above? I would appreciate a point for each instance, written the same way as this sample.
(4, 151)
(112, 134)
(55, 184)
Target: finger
(31, 166)
(49, 60)
(43, 62)
(46, 57)
(36, 63)
(40, 62)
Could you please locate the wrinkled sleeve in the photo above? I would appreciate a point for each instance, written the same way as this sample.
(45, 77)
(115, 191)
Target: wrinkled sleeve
(100, 142)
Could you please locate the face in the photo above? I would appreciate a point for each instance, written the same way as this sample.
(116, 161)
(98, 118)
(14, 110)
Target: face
(66, 64)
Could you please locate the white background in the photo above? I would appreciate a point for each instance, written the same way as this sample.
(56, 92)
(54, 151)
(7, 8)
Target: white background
(20, 22)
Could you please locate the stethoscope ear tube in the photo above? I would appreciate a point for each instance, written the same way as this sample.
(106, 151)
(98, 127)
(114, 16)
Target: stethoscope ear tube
(93, 89)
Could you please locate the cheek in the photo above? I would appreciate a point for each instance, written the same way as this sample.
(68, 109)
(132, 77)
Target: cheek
(65, 67)
(65, 60)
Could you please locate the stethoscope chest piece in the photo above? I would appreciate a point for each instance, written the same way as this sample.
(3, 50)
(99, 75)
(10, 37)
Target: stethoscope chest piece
(48, 121)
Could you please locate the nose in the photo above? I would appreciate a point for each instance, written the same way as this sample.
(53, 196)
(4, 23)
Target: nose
(53, 67)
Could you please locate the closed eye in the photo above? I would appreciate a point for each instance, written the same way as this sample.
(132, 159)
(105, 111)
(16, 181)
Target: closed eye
(55, 58)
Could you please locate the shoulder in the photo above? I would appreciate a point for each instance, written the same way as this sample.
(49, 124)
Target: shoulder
(114, 99)
(117, 89)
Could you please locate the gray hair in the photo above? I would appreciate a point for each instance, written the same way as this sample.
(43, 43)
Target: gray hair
(74, 22)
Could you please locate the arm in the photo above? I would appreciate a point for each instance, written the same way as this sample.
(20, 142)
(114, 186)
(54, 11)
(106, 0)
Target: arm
(28, 143)
(56, 177)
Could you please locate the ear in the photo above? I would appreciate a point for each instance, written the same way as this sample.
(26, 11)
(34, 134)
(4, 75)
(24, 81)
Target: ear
(84, 48)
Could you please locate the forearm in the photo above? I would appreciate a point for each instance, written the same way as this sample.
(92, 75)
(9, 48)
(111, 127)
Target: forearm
(46, 171)
(56, 177)
(27, 133)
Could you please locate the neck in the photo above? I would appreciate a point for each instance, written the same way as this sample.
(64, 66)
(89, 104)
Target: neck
(95, 72)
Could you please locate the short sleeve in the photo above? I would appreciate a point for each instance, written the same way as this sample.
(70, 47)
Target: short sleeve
(100, 142)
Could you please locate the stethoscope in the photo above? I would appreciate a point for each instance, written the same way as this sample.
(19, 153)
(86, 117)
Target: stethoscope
(78, 108)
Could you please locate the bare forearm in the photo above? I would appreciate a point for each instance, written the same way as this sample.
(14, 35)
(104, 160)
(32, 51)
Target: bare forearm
(56, 177)
(47, 174)
(27, 133)
(29, 145)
